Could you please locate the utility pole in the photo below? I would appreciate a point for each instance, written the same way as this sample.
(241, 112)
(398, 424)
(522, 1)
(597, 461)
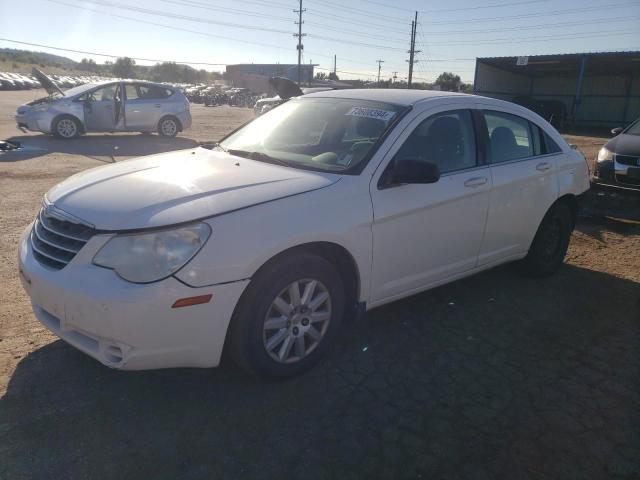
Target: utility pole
(380, 62)
(300, 47)
(335, 62)
(395, 77)
(412, 51)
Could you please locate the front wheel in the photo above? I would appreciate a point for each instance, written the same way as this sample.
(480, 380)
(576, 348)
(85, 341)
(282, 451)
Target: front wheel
(66, 127)
(168, 127)
(288, 317)
(551, 242)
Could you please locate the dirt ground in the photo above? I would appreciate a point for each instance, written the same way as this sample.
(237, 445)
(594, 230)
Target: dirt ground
(494, 376)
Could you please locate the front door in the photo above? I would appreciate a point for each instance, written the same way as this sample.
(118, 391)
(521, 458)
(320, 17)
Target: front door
(102, 108)
(425, 234)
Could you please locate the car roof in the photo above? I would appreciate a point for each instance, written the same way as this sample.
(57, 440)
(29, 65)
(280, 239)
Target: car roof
(390, 95)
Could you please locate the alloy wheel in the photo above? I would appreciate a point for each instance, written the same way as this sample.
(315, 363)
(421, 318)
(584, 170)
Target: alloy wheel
(297, 321)
(67, 128)
(169, 128)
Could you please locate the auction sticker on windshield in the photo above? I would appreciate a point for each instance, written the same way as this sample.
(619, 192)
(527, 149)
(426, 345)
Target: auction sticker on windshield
(385, 115)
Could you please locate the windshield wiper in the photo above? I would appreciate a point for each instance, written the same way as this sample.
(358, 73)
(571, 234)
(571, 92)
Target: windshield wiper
(259, 156)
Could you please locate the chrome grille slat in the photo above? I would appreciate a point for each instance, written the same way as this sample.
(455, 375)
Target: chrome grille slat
(50, 256)
(40, 233)
(48, 224)
(55, 242)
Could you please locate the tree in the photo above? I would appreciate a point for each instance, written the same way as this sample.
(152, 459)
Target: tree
(448, 82)
(321, 76)
(123, 67)
(88, 65)
(333, 76)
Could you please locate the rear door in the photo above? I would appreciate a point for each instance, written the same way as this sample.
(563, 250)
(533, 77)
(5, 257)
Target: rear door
(425, 234)
(144, 105)
(524, 184)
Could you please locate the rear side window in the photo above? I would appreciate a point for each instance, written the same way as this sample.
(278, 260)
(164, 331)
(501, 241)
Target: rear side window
(549, 145)
(153, 92)
(510, 137)
(446, 139)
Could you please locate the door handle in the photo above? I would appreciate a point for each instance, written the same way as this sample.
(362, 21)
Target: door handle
(475, 182)
(543, 167)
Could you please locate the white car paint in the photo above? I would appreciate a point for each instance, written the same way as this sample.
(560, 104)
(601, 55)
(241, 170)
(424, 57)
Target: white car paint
(402, 240)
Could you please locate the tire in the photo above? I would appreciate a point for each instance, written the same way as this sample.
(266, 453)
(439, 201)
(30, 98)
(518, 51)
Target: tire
(550, 243)
(66, 127)
(168, 127)
(289, 347)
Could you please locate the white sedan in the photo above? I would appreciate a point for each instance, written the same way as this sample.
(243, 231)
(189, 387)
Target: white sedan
(327, 206)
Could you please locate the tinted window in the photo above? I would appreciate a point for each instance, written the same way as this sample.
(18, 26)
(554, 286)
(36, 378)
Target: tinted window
(550, 146)
(152, 92)
(509, 137)
(446, 139)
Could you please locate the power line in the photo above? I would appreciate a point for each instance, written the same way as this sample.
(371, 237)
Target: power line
(499, 5)
(538, 14)
(84, 52)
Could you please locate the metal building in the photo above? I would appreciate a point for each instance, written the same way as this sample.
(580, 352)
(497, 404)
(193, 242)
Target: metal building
(596, 89)
(241, 73)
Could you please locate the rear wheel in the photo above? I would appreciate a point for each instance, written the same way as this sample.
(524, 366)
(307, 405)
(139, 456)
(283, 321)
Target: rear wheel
(550, 244)
(66, 127)
(288, 316)
(168, 127)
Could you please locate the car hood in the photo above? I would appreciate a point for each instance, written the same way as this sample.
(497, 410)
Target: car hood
(177, 187)
(46, 82)
(625, 144)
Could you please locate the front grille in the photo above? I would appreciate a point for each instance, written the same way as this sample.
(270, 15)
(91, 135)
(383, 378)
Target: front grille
(55, 242)
(628, 160)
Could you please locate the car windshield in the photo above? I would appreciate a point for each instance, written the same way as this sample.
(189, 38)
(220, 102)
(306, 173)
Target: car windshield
(634, 128)
(333, 134)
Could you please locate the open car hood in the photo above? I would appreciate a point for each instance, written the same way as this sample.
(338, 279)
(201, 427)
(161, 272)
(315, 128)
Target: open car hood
(285, 88)
(46, 82)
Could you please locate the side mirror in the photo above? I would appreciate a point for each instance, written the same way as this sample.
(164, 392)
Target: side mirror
(411, 170)
(616, 131)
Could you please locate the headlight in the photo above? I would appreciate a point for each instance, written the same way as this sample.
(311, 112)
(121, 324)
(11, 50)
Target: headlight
(605, 155)
(149, 257)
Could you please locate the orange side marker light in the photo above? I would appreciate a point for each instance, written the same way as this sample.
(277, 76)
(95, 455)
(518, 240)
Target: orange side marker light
(187, 302)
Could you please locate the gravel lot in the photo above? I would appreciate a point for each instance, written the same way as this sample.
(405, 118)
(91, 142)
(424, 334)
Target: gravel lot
(494, 376)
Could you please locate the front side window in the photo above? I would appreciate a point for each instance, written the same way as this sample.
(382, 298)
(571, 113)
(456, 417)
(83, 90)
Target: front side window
(446, 139)
(104, 94)
(132, 91)
(510, 137)
(333, 134)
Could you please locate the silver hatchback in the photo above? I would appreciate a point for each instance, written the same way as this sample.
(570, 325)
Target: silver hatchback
(110, 106)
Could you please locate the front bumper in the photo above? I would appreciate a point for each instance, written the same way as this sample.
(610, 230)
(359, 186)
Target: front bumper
(124, 325)
(34, 121)
(615, 174)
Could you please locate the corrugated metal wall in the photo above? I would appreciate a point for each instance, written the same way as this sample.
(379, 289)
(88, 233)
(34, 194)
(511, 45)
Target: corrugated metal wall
(602, 98)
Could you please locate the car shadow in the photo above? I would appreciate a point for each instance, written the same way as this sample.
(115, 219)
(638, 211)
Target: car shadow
(492, 373)
(102, 147)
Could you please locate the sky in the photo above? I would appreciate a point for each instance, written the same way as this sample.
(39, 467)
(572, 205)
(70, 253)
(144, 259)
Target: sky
(211, 33)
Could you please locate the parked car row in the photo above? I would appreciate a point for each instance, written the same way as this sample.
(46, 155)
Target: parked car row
(21, 81)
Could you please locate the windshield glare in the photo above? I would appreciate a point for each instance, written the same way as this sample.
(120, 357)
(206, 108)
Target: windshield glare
(317, 133)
